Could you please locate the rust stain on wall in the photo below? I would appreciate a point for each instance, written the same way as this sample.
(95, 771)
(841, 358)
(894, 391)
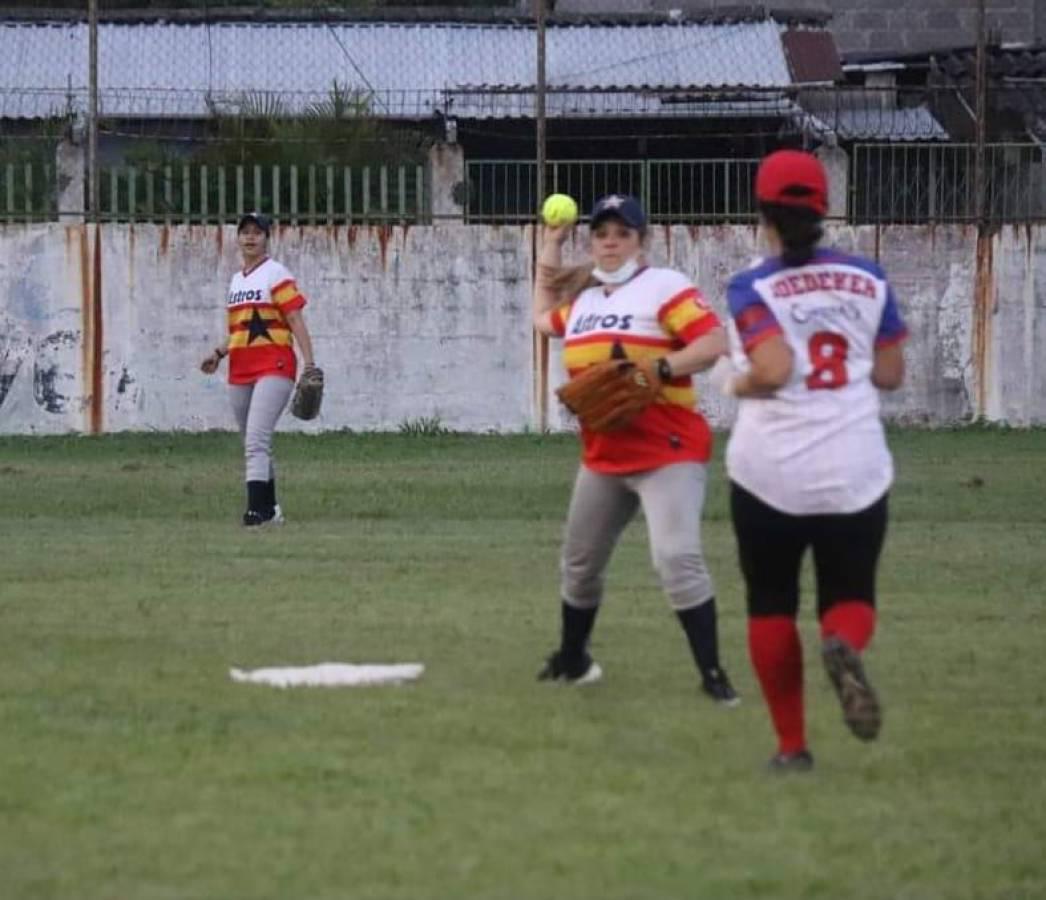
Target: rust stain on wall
(983, 309)
(91, 319)
(86, 330)
(219, 240)
(384, 233)
(351, 234)
(165, 238)
(96, 336)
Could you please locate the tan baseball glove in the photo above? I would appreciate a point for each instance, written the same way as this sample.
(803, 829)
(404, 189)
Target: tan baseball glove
(609, 395)
(308, 394)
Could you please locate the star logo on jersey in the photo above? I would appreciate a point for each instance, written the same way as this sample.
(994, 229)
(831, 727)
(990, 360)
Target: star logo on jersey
(256, 328)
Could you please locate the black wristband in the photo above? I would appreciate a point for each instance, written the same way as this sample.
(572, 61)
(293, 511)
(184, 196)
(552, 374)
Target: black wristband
(664, 370)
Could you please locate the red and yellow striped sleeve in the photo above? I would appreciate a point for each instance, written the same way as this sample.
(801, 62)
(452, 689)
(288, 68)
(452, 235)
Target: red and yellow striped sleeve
(560, 316)
(687, 316)
(286, 296)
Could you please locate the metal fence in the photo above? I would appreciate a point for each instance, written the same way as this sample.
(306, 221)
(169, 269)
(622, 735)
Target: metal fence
(888, 184)
(200, 193)
(920, 183)
(28, 191)
(292, 194)
(671, 190)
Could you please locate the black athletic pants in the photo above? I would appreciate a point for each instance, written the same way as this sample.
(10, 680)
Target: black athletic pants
(771, 544)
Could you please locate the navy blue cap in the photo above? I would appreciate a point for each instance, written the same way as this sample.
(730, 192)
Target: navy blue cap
(619, 206)
(259, 219)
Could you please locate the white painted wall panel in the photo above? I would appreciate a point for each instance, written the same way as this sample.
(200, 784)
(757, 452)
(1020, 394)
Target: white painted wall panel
(435, 322)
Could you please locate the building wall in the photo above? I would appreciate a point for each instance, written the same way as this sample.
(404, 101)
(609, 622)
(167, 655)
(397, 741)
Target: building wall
(434, 322)
(872, 24)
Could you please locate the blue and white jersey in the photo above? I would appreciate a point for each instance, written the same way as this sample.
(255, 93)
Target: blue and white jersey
(817, 445)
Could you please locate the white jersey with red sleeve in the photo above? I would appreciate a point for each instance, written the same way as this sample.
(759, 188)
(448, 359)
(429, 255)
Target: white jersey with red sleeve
(260, 340)
(817, 445)
(656, 312)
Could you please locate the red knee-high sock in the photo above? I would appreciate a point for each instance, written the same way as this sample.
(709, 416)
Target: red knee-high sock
(777, 656)
(852, 620)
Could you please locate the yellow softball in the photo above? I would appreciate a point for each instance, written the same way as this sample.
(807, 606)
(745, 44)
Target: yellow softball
(559, 209)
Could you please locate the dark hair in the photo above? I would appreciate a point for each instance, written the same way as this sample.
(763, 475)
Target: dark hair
(799, 229)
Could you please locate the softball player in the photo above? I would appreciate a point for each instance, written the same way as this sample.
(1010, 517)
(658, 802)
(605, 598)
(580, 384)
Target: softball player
(817, 332)
(620, 306)
(264, 317)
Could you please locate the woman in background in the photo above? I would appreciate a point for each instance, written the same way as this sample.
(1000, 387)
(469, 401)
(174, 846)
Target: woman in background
(264, 312)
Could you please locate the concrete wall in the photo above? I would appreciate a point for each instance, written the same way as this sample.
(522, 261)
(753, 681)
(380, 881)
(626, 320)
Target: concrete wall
(434, 322)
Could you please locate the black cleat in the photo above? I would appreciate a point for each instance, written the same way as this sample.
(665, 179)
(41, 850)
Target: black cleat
(717, 686)
(861, 710)
(253, 519)
(785, 763)
(583, 670)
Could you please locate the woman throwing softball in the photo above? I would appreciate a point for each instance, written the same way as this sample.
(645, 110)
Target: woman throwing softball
(264, 317)
(817, 333)
(621, 308)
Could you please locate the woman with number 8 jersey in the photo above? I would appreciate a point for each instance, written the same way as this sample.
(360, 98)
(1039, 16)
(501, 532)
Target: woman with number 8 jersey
(815, 335)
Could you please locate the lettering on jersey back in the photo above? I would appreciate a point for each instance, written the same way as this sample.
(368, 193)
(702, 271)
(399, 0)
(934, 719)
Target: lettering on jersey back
(832, 312)
(829, 280)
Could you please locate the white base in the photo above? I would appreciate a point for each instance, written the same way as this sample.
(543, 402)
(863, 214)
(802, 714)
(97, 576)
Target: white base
(330, 675)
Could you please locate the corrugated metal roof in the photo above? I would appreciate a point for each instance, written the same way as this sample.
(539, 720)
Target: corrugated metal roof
(169, 70)
(557, 14)
(874, 123)
(680, 102)
(1002, 62)
(1017, 60)
(914, 124)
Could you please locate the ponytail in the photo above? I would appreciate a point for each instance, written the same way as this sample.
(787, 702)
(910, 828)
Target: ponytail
(799, 228)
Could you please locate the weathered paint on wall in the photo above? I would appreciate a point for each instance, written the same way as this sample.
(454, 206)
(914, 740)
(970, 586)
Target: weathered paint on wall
(41, 329)
(435, 322)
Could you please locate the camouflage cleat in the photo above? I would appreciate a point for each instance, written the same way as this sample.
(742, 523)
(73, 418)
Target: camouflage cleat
(861, 710)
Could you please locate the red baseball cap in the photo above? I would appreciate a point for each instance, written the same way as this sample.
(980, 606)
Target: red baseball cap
(793, 178)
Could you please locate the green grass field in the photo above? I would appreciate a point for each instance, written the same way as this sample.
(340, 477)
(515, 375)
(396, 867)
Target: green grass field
(134, 768)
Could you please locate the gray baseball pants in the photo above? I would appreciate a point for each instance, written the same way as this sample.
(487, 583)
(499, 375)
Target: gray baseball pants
(601, 506)
(257, 408)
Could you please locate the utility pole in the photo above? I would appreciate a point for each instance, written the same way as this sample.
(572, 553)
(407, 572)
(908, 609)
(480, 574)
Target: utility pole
(980, 180)
(539, 100)
(92, 110)
(540, 340)
(984, 280)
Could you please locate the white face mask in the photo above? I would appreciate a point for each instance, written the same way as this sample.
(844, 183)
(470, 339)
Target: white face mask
(619, 275)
